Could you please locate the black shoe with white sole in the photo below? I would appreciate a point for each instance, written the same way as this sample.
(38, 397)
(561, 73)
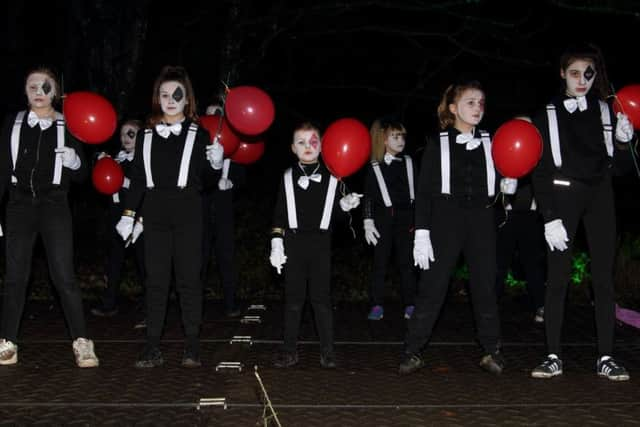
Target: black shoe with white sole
(608, 368)
(551, 367)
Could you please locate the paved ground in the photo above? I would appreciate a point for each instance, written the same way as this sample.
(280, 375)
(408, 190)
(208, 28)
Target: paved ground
(45, 388)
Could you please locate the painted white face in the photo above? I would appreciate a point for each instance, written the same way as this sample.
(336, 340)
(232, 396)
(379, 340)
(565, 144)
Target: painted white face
(579, 77)
(469, 109)
(213, 110)
(173, 99)
(306, 146)
(395, 141)
(128, 134)
(40, 90)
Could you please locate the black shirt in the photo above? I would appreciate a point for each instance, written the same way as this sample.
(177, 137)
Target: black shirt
(396, 181)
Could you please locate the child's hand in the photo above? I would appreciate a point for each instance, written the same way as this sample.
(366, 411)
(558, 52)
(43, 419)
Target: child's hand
(508, 185)
(277, 257)
(371, 234)
(350, 201)
(215, 152)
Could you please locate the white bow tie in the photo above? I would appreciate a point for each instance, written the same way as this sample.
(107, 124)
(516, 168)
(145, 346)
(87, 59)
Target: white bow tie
(388, 158)
(303, 181)
(33, 119)
(164, 130)
(579, 102)
(468, 139)
(123, 155)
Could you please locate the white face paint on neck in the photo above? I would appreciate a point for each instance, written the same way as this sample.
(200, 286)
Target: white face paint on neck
(395, 141)
(173, 99)
(468, 110)
(579, 77)
(128, 134)
(40, 90)
(306, 146)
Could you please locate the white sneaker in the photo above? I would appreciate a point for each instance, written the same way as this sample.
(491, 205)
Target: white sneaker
(539, 317)
(8, 352)
(83, 350)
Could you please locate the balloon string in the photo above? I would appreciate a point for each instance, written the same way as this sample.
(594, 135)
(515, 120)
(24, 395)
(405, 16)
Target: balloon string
(505, 210)
(633, 149)
(343, 192)
(633, 157)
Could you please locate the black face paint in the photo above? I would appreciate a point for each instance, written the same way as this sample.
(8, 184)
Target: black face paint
(589, 73)
(178, 94)
(131, 133)
(46, 87)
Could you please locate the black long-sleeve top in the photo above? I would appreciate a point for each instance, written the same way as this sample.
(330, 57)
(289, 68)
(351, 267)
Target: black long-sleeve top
(397, 182)
(468, 176)
(36, 158)
(582, 147)
(309, 202)
(166, 155)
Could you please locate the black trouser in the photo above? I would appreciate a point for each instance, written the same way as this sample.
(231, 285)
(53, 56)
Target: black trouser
(116, 257)
(219, 228)
(594, 204)
(308, 263)
(524, 231)
(396, 231)
(173, 228)
(50, 216)
(455, 229)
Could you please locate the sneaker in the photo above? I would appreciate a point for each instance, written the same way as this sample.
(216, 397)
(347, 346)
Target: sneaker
(101, 311)
(286, 359)
(408, 311)
(539, 317)
(151, 357)
(85, 356)
(493, 363)
(376, 313)
(191, 358)
(410, 363)
(551, 367)
(142, 324)
(328, 360)
(8, 352)
(607, 367)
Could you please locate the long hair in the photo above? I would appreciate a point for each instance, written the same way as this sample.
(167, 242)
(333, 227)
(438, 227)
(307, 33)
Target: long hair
(172, 73)
(588, 52)
(379, 131)
(450, 96)
(56, 84)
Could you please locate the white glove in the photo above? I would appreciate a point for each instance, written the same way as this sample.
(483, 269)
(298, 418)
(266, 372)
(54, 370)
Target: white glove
(624, 129)
(124, 227)
(422, 249)
(371, 234)
(69, 157)
(556, 235)
(508, 185)
(138, 228)
(277, 257)
(350, 201)
(225, 184)
(215, 152)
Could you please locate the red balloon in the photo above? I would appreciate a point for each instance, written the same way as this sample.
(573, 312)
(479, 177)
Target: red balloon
(346, 146)
(248, 153)
(628, 102)
(228, 138)
(107, 176)
(516, 148)
(249, 110)
(89, 116)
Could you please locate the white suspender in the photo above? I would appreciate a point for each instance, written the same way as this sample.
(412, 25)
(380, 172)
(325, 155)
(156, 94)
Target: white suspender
(57, 167)
(488, 161)
(409, 164)
(186, 156)
(146, 156)
(381, 184)
(225, 168)
(554, 137)
(291, 201)
(445, 165)
(15, 141)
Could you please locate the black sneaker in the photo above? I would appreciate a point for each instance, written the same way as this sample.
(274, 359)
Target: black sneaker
(492, 363)
(191, 358)
(607, 367)
(151, 357)
(141, 324)
(101, 311)
(286, 359)
(328, 360)
(410, 363)
(551, 367)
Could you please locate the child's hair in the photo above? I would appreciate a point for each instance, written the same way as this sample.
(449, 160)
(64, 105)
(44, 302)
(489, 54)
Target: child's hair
(171, 73)
(379, 132)
(588, 52)
(450, 96)
(307, 125)
(49, 73)
(132, 122)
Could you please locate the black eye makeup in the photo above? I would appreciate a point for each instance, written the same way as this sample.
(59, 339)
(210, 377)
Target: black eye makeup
(46, 87)
(131, 133)
(589, 73)
(178, 94)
